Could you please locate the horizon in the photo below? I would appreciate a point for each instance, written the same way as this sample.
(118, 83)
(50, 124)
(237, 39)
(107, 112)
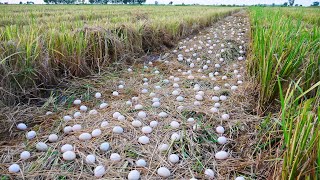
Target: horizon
(200, 2)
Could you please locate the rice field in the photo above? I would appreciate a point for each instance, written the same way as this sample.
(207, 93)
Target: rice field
(159, 92)
(40, 46)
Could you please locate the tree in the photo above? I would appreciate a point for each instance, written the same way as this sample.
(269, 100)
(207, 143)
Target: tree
(20, 2)
(156, 2)
(291, 2)
(92, 1)
(170, 3)
(285, 4)
(316, 3)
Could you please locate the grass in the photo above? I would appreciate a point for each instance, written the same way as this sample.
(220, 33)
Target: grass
(39, 45)
(282, 47)
(285, 64)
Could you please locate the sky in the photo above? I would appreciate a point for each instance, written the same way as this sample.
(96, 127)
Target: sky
(206, 2)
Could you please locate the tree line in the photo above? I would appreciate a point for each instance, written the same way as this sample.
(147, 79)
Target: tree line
(95, 1)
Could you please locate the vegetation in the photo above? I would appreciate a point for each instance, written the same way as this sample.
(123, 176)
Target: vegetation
(39, 45)
(285, 63)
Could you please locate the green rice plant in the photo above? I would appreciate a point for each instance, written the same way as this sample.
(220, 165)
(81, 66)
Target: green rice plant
(300, 125)
(282, 47)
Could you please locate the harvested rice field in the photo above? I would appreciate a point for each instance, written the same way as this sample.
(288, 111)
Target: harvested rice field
(193, 92)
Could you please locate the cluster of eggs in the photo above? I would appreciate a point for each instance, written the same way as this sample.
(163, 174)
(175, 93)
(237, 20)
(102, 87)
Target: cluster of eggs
(191, 57)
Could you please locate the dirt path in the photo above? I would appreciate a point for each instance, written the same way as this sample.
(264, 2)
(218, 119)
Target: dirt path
(196, 88)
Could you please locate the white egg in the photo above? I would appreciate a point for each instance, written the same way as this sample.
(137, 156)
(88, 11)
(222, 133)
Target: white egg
(216, 105)
(115, 93)
(93, 112)
(216, 88)
(190, 120)
(14, 168)
(31, 134)
(69, 155)
(142, 114)
(223, 98)
(240, 58)
(174, 158)
(166, 81)
(180, 98)
(163, 147)
(180, 108)
(175, 137)
(41, 146)
(174, 124)
(225, 116)
(67, 118)
(176, 79)
(96, 133)
(25, 155)
(233, 88)
(214, 110)
(90, 159)
(103, 105)
(175, 93)
(240, 178)
(239, 82)
(67, 129)
(115, 157)
(136, 123)
(104, 124)
(77, 102)
(117, 130)
(77, 114)
(175, 85)
(121, 86)
(116, 115)
(164, 172)
(83, 108)
(153, 124)
(134, 175)
(217, 66)
(141, 163)
(97, 95)
(156, 104)
(138, 106)
(155, 99)
(129, 70)
(199, 97)
(221, 155)
(104, 146)
(143, 140)
(135, 98)
(200, 93)
(53, 138)
(220, 130)
(66, 147)
(146, 129)
(144, 91)
(209, 173)
(215, 98)
(76, 127)
(85, 136)
(163, 114)
(121, 118)
(22, 126)
(128, 103)
(222, 140)
(99, 171)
